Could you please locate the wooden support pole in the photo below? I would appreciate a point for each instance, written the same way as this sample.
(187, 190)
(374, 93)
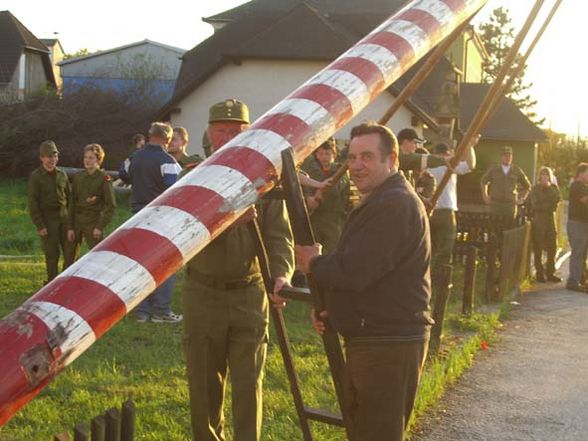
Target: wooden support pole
(440, 307)
(113, 424)
(81, 433)
(469, 282)
(488, 104)
(128, 417)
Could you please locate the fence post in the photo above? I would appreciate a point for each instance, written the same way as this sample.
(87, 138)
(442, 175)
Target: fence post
(61, 437)
(81, 433)
(127, 429)
(440, 307)
(469, 282)
(491, 252)
(99, 428)
(113, 425)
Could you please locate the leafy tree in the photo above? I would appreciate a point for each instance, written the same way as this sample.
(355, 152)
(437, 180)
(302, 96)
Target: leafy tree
(79, 53)
(498, 37)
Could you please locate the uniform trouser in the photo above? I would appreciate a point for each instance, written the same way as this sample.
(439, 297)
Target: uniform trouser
(544, 239)
(578, 239)
(159, 302)
(506, 209)
(225, 329)
(83, 230)
(381, 381)
(54, 243)
(443, 231)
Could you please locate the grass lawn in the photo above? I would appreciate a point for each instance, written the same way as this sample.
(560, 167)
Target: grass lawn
(145, 361)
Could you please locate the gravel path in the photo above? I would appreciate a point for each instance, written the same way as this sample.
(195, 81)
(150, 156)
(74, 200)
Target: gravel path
(531, 385)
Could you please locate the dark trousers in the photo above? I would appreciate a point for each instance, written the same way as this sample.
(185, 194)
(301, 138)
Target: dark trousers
(443, 232)
(544, 239)
(381, 381)
(54, 243)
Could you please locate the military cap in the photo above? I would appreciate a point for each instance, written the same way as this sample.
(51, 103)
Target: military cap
(410, 135)
(229, 110)
(48, 148)
(507, 149)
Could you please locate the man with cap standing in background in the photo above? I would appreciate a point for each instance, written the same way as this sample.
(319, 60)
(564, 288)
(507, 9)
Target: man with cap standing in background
(509, 186)
(226, 308)
(49, 194)
(409, 159)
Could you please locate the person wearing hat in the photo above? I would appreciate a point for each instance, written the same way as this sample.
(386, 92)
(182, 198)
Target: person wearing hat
(443, 221)
(509, 186)
(49, 195)
(93, 203)
(409, 159)
(328, 212)
(226, 308)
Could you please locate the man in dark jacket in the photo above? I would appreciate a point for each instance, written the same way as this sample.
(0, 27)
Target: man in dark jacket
(378, 288)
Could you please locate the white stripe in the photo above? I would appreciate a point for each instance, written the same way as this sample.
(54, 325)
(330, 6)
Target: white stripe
(414, 35)
(438, 9)
(170, 169)
(176, 225)
(266, 142)
(348, 84)
(76, 332)
(128, 279)
(386, 61)
(235, 188)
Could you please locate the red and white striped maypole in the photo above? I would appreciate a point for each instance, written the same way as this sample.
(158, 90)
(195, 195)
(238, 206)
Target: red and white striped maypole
(63, 319)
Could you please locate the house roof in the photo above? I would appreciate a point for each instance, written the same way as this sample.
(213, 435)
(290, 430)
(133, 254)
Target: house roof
(51, 42)
(126, 46)
(14, 38)
(507, 124)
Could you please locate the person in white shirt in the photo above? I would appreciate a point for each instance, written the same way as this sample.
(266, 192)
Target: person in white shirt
(443, 222)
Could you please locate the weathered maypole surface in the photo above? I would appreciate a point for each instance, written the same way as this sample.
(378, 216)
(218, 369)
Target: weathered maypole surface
(63, 319)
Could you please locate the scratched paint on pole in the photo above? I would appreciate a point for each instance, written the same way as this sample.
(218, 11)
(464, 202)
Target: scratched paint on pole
(65, 317)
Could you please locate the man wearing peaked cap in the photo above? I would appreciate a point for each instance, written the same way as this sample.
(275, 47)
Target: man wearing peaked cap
(49, 194)
(226, 308)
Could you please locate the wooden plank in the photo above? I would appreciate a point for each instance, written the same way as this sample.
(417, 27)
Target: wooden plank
(113, 425)
(81, 433)
(324, 416)
(98, 428)
(128, 417)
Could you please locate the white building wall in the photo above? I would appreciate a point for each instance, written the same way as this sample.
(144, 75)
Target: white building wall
(127, 63)
(261, 84)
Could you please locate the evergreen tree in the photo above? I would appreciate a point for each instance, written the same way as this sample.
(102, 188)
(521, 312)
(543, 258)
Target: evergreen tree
(498, 37)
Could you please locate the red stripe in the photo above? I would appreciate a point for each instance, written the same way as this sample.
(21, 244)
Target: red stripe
(205, 205)
(336, 103)
(401, 48)
(154, 252)
(455, 5)
(365, 70)
(422, 19)
(86, 298)
(288, 126)
(251, 163)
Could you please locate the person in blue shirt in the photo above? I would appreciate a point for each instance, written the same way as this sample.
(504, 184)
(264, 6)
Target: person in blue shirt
(152, 171)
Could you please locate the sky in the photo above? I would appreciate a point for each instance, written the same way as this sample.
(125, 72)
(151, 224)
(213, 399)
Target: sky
(558, 67)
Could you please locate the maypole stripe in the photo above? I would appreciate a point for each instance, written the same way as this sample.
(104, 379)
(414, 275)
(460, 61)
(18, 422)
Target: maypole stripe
(335, 101)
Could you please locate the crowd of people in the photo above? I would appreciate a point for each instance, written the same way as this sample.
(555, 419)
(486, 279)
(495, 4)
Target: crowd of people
(373, 261)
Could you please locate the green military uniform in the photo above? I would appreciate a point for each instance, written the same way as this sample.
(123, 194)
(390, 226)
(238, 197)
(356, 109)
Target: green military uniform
(226, 314)
(226, 323)
(93, 205)
(544, 202)
(49, 195)
(328, 218)
(188, 163)
(504, 188)
(413, 161)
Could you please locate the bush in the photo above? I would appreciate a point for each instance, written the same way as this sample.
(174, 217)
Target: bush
(72, 121)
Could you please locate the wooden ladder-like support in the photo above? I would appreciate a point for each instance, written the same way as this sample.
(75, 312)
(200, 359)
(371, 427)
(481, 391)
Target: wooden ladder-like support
(303, 235)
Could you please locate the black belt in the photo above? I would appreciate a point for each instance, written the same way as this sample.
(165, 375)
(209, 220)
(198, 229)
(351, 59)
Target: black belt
(211, 282)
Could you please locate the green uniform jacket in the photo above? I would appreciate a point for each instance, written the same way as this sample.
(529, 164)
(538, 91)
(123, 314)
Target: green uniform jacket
(328, 218)
(544, 201)
(49, 195)
(503, 188)
(413, 161)
(85, 209)
(191, 161)
(232, 255)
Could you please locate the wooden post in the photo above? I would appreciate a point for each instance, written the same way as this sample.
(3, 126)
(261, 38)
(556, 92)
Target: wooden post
(440, 307)
(81, 433)
(61, 437)
(113, 424)
(491, 252)
(469, 282)
(128, 416)
(99, 428)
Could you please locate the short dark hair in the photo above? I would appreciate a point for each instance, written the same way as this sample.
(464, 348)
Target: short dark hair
(329, 144)
(138, 137)
(388, 142)
(581, 168)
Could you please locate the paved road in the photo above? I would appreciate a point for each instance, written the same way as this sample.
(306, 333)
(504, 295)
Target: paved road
(531, 385)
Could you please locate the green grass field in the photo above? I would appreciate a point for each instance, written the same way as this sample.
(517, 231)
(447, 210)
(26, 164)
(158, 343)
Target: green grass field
(145, 361)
